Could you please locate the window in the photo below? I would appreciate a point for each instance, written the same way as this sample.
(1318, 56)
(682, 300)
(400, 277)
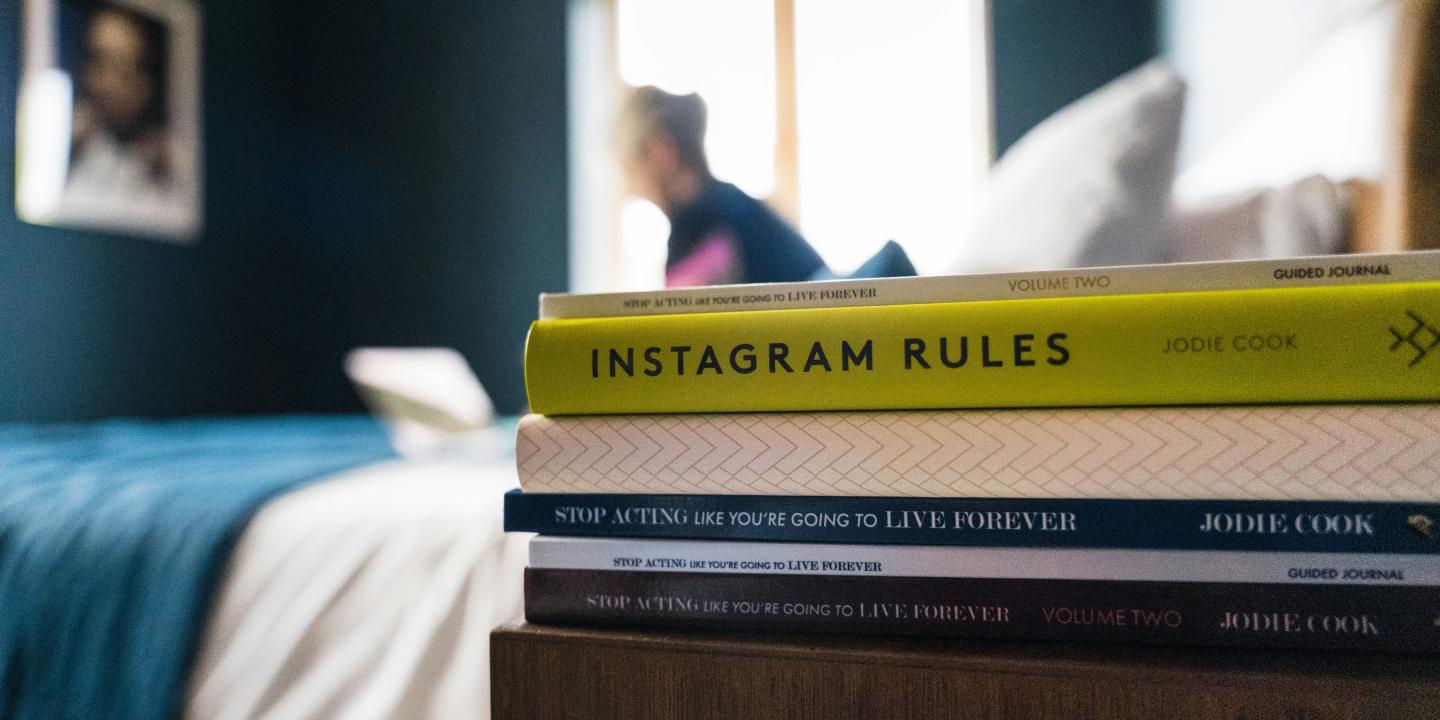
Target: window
(858, 121)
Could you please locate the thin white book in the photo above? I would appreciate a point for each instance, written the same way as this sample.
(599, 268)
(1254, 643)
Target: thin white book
(766, 558)
(1077, 282)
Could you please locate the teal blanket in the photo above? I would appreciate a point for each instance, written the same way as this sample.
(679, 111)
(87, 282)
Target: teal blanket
(113, 537)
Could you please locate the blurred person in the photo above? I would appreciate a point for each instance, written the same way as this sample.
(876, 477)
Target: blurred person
(718, 234)
(120, 146)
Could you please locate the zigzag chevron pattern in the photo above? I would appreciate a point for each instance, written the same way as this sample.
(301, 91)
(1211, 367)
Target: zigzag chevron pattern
(1330, 452)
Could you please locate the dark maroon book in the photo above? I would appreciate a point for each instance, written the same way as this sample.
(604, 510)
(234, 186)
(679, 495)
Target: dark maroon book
(1249, 615)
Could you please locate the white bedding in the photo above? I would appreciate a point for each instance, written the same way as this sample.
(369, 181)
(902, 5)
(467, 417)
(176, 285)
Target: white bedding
(367, 595)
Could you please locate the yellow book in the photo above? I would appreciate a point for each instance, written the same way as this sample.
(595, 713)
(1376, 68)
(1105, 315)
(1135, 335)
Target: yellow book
(1316, 344)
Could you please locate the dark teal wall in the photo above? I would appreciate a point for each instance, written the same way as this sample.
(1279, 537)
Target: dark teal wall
(1047, 53)
(376, 173)
(93, 324)
(429, 151)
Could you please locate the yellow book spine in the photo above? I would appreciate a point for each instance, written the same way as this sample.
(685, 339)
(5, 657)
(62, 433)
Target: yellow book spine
(1292, 345)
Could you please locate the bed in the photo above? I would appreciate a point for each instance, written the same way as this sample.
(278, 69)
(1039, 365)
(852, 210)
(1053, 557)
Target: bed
(249, 568)
(369, 594)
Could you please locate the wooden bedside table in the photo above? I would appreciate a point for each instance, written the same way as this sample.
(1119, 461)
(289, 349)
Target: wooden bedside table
(541, 672)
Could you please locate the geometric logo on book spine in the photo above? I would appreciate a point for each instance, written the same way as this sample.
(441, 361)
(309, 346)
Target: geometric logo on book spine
(1421, 338)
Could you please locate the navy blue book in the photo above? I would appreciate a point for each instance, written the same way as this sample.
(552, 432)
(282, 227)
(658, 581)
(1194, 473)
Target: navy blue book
(1293, 526)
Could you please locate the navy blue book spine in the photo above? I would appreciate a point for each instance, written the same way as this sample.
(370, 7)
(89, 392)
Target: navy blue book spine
(1232, 614)
(1281, 526)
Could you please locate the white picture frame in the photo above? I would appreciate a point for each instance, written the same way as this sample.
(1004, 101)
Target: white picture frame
(108, 133)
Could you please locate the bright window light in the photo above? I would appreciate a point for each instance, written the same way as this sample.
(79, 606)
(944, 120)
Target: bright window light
(43, 151)
(724, 50)
(643, 232)
(891, 144)
(891, 118)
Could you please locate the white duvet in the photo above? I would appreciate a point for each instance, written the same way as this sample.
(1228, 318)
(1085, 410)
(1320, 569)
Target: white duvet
(367, 595)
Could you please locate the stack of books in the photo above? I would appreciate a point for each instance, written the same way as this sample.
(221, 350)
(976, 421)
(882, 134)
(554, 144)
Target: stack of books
(1242, 453)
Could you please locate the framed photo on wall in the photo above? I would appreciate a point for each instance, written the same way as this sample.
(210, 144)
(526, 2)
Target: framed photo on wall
(108, 126)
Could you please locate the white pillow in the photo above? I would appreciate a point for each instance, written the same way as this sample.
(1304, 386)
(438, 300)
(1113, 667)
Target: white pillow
(1307, 217)
(1088, 186)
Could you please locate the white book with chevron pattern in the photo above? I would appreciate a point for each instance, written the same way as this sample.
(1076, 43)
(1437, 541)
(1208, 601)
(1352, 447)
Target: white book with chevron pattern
(1380, 452)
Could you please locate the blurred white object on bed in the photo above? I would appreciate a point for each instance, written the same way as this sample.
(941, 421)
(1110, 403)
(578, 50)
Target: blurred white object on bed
(429, 400)
(1277, 132)
(1088, 186)
(1307, 217)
